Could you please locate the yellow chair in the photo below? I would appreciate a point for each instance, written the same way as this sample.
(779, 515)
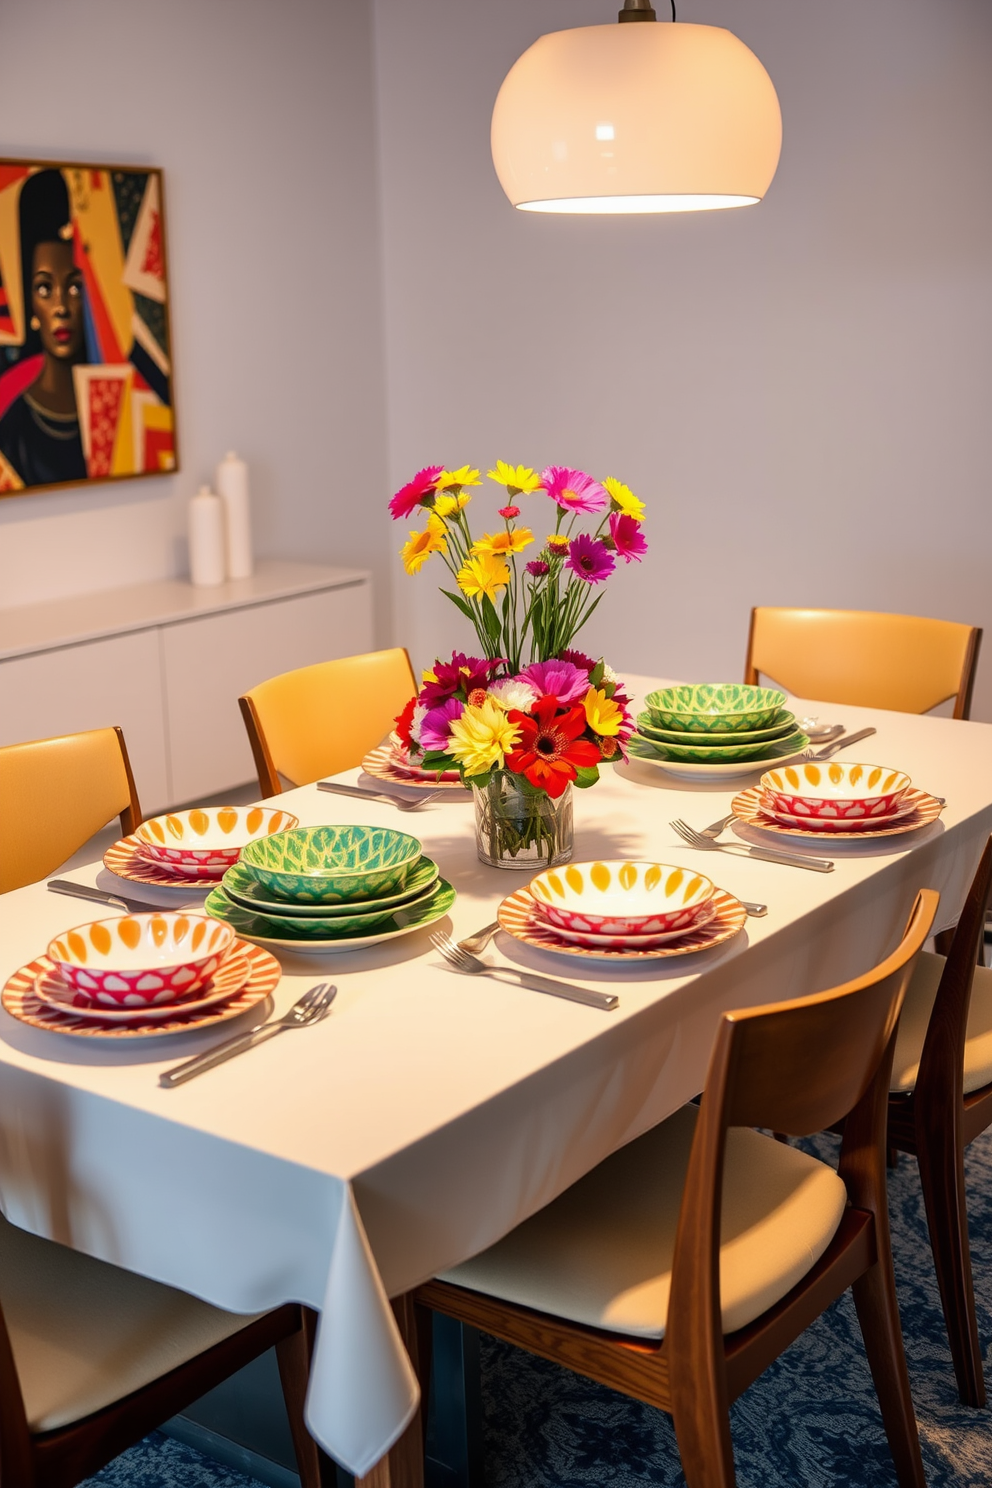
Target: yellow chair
(54, 794)
(322, 719)
(871, 660)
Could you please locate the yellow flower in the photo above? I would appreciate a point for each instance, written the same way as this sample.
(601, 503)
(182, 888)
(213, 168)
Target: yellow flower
(501, 544)
(603, 715)
(481, 737)
(463, 476)
(445, 505)
(428, 676)
(422, 544)
(624, 499)
(485, 574)
(515, 477)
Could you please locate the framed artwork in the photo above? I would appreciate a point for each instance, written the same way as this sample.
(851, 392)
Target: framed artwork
(85, 351)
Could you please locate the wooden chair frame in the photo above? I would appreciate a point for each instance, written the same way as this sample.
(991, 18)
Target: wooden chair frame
(62, 1458)
(131, 817)
(837, 1048)
(935, 1122)
(962, 694)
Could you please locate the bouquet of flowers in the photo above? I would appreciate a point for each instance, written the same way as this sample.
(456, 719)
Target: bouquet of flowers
(531, 716)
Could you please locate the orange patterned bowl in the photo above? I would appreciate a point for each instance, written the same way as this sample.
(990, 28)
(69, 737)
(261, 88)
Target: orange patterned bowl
(621, 898)
(834, 791)
(141, 960)
(205, 842)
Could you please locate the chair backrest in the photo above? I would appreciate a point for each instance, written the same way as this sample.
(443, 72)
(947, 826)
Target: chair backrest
(904, 662)
(795, 1067)
(941, 1072)
(321, 719)
(54, 794)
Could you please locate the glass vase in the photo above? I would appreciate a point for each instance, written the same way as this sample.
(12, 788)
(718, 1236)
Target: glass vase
(519, 827)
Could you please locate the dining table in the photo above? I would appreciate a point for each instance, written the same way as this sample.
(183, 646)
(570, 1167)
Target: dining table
(430, 1112)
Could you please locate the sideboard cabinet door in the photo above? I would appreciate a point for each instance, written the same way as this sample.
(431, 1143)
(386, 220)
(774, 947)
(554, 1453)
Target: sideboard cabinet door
(209, 662)
(93, 685)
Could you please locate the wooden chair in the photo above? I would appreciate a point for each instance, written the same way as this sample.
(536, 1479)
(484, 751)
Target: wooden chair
(903, 662)
(324, 718)
(54, 794)
(92, 1358)
(678, 1269)
(941, 1099)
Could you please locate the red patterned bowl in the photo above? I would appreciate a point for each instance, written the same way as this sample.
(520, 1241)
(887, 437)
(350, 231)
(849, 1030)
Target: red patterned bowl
(205, 842)
(141, 960)
(621, 898)
(835, 791)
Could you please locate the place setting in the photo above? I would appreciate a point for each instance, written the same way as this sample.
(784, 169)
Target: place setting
(192, 849)
(836, 802)
(325, 889)
(391, 761)
(139, 976)
(716, 731)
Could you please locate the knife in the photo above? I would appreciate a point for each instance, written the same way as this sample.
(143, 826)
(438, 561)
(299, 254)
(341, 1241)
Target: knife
(831, 749)
(116, 901)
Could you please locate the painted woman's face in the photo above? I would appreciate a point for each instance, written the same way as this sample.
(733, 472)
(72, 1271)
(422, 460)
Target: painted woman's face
(57, 300)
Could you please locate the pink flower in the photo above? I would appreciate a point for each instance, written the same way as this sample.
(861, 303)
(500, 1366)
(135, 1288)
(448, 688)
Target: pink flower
(409, 497)
(589, 560)
(459, 675)
(573, 489)
(509, 512)
(537, 568)
(628, 539)
(557, 679)
(435, 730)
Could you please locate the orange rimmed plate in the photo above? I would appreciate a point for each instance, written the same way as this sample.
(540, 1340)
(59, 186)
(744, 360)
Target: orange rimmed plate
(518, 916)
(389, 761)
(21, 1001)
(229, 978)
(125, 860)
(747, 808)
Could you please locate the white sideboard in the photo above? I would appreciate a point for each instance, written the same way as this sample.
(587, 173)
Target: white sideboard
(167, 662)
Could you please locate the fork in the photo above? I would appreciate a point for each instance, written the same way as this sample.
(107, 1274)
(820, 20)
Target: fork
(462, 961)
(696, 839)
(310, 1008)
(339, 789)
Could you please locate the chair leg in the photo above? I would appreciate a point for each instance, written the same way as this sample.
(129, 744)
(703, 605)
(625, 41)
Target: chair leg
(941, 1162)
(293, 1358)
(878, 1314)
(702, 1430)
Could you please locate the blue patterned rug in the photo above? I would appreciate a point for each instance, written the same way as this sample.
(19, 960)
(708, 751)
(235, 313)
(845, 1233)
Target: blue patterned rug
(812, 1419)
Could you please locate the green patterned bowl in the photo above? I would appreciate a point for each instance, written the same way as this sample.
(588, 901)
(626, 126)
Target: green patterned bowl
(332, 865)
(243, 888)
(702, 752)
(784, 723)
(714, 707)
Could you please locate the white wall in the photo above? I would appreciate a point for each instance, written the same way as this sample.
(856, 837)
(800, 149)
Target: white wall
(798, 389)
(261, 115)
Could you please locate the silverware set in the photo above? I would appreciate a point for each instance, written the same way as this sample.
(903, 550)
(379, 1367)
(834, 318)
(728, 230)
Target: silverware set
(310, 1008)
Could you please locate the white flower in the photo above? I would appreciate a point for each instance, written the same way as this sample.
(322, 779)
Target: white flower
(511, 692)
(419, 714)
(609, 675)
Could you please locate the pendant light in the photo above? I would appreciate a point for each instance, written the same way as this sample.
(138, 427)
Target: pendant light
(649, 117)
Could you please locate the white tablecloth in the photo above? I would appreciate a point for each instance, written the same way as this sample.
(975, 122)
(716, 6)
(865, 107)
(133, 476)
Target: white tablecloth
(430, 1113)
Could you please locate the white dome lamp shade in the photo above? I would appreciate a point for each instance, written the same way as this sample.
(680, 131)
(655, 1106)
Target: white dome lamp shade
(662, 117)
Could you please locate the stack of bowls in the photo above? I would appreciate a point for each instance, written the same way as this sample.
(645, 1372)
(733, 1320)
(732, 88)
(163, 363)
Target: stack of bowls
(719, 723)
(621, 906)
(330, 884)
(141, 963)
(836, 797)
(205, 842)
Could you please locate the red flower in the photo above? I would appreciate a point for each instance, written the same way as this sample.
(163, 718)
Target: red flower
(549, 748)
(410, 496)
(403, 721)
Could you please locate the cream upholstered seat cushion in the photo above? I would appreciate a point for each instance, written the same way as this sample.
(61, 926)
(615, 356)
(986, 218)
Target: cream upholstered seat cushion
(915, 1020)
(601, 1253)
(85, 1333)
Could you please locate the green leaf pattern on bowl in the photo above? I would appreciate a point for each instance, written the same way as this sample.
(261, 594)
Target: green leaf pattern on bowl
(333, 865)
(716, 754)
(714, 707)
(243, 888)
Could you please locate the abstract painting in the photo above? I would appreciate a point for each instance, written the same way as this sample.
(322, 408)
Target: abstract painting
(85, 358)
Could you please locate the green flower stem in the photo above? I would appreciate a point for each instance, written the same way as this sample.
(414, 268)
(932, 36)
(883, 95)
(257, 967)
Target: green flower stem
(519, 826)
